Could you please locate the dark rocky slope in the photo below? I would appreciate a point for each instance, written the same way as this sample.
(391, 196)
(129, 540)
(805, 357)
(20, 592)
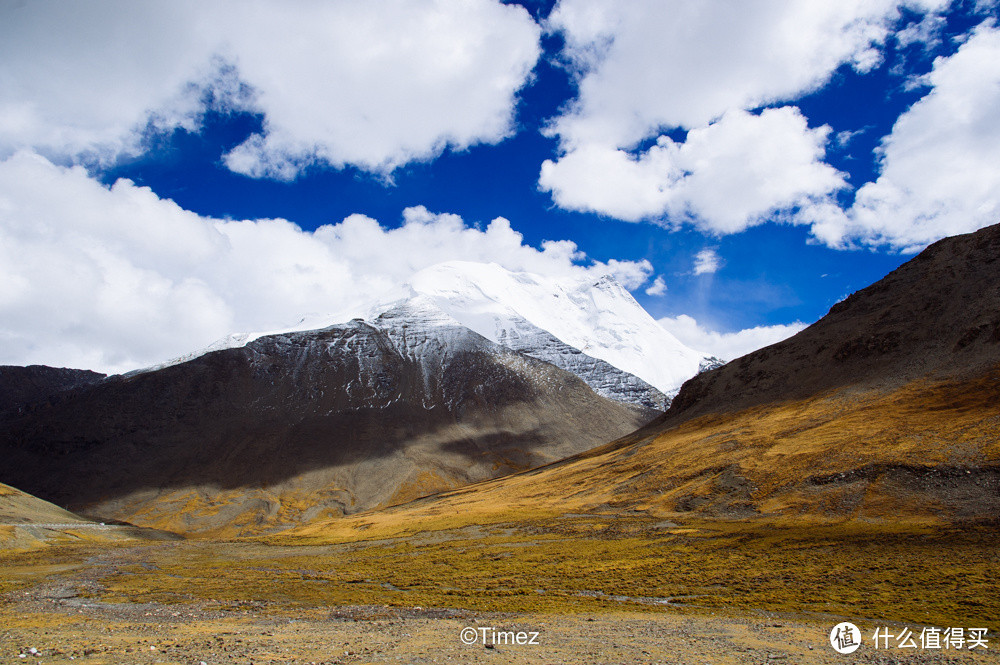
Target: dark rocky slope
(936, 315)
(304, 424)
(20, 386)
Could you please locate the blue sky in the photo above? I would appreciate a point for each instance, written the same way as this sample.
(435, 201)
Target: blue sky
(741, 166)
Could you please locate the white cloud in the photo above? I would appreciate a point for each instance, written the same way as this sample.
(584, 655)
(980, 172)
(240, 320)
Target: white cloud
(725, 177)
(630, 274)
(926, 33)
(707, 261)
(702, 66)
(649, 64)
(940, 170)
(658, 287)
(726, 345)
(843, 138)
(117, 278)
(373, 84)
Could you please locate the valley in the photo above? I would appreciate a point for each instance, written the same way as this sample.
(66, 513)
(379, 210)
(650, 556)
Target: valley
(611, 557)
(598, 588)
(848, 473)
(561, 332)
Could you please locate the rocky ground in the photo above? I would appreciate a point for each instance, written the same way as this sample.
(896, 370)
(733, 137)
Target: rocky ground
(63, 605)
(61, 630)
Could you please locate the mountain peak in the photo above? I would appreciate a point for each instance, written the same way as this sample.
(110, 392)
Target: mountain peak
(623, 353)
(600, 318)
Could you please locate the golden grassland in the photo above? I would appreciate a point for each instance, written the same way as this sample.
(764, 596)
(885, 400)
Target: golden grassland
(797, 508)
(777, 462)
(914, 574)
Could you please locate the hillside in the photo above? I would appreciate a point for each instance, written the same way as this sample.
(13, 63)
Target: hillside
(29, 523)
(17, 507)
(937, 315)
(24, 385)
(887, 409)
(303, 425)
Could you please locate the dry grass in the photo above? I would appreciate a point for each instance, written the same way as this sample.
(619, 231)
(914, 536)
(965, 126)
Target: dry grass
(865, 546)
(591, 534)
(753, 464)
(926, 575)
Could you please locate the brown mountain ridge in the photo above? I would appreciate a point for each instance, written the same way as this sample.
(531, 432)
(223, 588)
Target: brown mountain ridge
(296, 426)
(937, 315)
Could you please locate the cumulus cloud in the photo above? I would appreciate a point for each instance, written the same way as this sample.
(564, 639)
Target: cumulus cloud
(657, 288)
(729, 345)
(702, 67)
(114, 278)
(647, 64)
(939, 169)
(725, 177)
(707, 261)
(373, 84)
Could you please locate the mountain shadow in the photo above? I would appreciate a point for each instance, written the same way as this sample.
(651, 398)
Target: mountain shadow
(886, 410)
(299, 425)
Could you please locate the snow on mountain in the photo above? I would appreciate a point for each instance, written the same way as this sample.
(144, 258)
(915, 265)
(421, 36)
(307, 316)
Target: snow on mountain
(603, 378)
(239, 340)
(600, 318)
(594, 329)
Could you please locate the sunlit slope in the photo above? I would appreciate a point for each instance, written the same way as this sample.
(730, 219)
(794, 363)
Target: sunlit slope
(888, 408)
(17, 507)
(929, 451)
(27, 523)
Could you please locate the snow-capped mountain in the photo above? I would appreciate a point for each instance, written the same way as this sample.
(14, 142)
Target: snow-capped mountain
(289, 427)
(599, 318)
(603, 378)
(593, 329)
(476, 373)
